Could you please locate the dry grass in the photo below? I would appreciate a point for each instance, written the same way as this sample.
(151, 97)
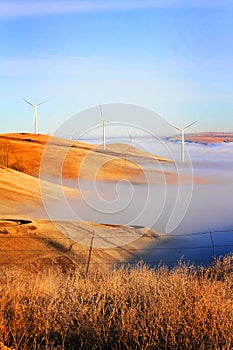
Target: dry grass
(127, 308)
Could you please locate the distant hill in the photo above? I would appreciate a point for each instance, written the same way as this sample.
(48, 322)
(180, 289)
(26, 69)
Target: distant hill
(205, 137)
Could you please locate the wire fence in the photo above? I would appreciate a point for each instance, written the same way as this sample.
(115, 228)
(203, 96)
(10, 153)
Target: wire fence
(168, 249)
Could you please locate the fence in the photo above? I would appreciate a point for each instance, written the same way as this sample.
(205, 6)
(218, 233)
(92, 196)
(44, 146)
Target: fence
(4, 157)
(169, 250)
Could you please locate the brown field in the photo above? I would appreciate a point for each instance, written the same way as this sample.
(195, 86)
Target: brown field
(125, 308)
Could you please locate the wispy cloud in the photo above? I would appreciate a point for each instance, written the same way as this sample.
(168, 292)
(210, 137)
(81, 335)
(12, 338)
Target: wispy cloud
(73, 67)
(28, 8)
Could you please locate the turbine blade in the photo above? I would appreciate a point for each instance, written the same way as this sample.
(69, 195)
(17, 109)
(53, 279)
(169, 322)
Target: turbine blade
(101, 113)
(175, 127)
(42, 102)
(96, 126)
(190, 125)
(31, 104)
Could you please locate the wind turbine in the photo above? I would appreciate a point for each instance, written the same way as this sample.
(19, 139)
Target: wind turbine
(71, 134)
(35, 112)
(182, 137)
(103, 125)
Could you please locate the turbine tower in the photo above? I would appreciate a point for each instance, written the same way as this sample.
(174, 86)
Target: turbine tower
(182, 137)
(103, 125)
(35, 112)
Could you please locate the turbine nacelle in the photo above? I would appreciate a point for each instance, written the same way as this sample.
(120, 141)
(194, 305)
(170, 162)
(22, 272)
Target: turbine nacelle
(182, 136)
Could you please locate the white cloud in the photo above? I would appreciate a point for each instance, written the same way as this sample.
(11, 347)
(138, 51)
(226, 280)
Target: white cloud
(28, 8)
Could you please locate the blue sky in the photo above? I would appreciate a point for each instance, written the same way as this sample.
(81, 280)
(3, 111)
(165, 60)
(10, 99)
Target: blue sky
(173, 56)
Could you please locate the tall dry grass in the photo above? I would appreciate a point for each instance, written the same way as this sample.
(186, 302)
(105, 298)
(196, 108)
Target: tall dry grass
(127, 308)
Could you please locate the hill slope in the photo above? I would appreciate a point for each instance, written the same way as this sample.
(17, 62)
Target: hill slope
(60, 157)
(42, 242)
(20, 194)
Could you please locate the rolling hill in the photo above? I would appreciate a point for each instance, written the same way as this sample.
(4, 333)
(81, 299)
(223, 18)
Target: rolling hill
(27, 236)
(40, 243)
(42, 155)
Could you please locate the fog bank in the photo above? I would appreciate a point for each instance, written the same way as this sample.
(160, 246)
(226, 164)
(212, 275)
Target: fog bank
(173, 210)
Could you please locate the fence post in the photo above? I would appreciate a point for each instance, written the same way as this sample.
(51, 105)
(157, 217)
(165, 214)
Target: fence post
(212, 241)
(7, 159)
(90, 250)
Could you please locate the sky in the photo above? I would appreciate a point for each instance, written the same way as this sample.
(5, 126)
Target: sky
(174, 57)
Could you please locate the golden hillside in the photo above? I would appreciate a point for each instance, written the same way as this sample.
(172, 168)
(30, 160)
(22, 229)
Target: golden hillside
(41, 242)
(20, 194)
(67, 159)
